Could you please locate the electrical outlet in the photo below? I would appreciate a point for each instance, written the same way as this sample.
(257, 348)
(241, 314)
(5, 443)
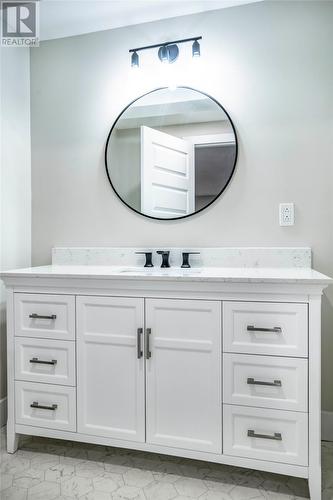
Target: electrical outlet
(286, 214)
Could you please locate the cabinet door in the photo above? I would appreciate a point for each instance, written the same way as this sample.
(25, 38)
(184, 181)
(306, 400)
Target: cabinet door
(110, 368)
(183, 374)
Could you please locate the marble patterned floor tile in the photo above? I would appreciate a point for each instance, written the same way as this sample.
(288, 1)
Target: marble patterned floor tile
(6, 480)
(219, 486)
(89, 469)
(165, 477)
(60, 472)
(13, 465)
(45, 469)
(128, 493)
(76, 487)
(44, 461)
(46, 490)
(191, 487)
(138, 477)
(97, 495)
(108, 483)
(14, 493)
(160, 491)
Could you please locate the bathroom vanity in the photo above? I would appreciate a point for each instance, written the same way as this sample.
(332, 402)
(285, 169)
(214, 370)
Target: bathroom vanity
(219, 362)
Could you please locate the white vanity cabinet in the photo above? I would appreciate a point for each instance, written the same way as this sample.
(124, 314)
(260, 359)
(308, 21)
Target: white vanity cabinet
(183, 374)
(111, 371)
(266, 372)
(46, 316)
(215, 369)
(160, 383)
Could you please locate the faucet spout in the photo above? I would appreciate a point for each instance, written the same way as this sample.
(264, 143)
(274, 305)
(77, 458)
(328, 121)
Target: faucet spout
(165, 257)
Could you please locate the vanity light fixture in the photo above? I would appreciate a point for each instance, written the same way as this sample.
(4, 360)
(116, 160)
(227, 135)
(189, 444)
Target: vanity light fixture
(168, 52)
(135, 60)
(163, 54)
(196, 49)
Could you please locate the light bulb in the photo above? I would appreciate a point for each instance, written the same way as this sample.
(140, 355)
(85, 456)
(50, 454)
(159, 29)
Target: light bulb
(196, 49)
(135, 60)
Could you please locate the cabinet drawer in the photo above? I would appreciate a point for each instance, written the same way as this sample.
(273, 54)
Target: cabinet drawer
(48, 361)
(265, 381)
(57, 405)
(279, 329)
(262, 434)
(45, 316)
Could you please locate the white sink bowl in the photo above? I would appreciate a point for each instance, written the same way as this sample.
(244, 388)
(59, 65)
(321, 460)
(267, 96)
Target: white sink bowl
(169, 271)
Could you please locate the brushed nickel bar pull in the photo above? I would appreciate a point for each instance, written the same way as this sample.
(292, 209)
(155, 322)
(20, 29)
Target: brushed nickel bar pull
(276, 383)
(35, 404)
(138, 342)
(38, 316)
(276, 437)
(148, 333)
(41, 362)
(276, 329)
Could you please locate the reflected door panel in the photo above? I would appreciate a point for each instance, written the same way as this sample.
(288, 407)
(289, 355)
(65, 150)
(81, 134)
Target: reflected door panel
(167, 174)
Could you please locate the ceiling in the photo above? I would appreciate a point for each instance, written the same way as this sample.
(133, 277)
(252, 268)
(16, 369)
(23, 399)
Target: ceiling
(171, 107)
(62, 18)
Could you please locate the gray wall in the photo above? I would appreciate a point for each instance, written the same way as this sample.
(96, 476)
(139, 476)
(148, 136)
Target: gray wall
(15, 180)
(269, 64)
(124, 164)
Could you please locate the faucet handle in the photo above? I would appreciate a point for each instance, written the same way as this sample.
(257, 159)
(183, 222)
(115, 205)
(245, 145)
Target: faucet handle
(149, 256)
(186, 256)
(165, 257)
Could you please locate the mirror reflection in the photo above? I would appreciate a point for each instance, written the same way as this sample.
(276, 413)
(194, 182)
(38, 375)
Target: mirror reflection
(171, 153)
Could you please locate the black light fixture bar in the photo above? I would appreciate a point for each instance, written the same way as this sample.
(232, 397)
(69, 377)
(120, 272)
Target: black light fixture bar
(164, 44)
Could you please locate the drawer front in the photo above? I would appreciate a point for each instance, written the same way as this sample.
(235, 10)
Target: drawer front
(262, 434)
(44, 405)
(48, 361)
(279, 329)
(45, 316)
(265, 381)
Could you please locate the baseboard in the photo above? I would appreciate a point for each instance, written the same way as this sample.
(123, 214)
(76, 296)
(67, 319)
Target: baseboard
(3, 411)
(327, 425)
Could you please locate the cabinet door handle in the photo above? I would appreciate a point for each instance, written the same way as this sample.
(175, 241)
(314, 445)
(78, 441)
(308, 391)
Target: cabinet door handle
(138, 342)
(276, 383)
(35, 404)
(39, 316)
(251, 328)
(276, 437)
(148, 333)
(41, 362)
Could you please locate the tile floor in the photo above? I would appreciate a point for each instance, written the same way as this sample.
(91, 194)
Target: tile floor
(44, 469)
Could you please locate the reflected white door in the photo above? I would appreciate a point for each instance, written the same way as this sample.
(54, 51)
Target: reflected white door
(167, 174)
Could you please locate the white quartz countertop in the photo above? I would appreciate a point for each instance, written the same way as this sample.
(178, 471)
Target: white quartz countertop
(208, 274)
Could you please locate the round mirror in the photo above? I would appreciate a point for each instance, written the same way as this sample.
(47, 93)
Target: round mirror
(171, 153)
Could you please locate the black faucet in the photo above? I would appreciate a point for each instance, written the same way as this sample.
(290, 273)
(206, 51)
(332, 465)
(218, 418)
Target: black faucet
(165, 257)
(149, 256)
(186, 256)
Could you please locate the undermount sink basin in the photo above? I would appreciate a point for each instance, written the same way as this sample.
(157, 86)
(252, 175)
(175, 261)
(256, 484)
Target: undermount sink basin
(136, 271)
(160, 271)
(133, 270)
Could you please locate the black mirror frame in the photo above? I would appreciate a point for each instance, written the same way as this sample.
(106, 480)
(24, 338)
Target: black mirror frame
(217, 196)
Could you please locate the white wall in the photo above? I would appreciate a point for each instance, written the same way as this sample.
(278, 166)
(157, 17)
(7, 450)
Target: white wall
(15, 177)
(269, 64)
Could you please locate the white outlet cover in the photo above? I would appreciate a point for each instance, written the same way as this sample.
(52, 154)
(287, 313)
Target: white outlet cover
(286, 214)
